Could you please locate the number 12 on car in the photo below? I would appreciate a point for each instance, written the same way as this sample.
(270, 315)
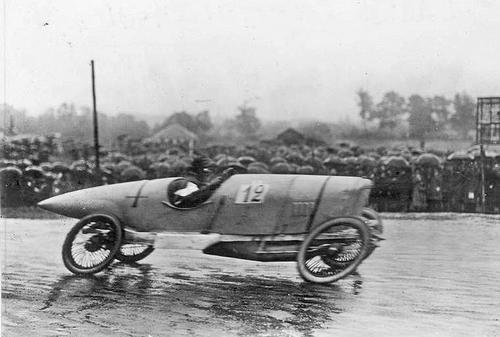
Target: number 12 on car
(253, 193)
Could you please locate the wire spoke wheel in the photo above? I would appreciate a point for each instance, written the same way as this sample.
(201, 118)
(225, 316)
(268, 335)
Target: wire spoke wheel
(333, 250)
(91, 244)
(133, 252)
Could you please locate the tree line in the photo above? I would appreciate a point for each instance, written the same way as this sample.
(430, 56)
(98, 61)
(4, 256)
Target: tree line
(423, 117)
(393, 117)
(76, 124)
(73, 123)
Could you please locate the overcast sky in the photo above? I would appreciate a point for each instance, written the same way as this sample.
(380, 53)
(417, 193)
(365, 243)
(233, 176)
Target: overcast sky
(290, 59)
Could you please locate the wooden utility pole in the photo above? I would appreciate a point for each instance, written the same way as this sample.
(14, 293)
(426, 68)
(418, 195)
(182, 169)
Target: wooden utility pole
(96, 129)
(483, 178)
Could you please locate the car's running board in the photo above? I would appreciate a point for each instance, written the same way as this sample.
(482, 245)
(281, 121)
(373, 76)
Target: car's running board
(172, 240)
(191, 240)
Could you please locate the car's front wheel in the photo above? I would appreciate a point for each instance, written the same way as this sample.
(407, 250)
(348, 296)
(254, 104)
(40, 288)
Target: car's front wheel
(91, 244)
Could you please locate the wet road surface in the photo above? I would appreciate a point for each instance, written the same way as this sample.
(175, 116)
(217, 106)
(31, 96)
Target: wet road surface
(436, 275)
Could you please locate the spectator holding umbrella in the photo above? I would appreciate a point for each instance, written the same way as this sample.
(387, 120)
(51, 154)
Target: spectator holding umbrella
(397, 184)
(427, 191)
(12, 186)
(456, 184)
(496, 190)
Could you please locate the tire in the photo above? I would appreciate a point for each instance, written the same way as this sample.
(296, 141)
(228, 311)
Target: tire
(325, 260)
(132, 252)
(370, 214)
(100, 239)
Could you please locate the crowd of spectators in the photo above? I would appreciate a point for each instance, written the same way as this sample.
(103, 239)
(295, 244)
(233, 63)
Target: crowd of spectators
(405, 178)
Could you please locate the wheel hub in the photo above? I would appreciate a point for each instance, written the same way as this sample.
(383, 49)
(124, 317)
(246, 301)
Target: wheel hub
(95, 243)
(334, 250)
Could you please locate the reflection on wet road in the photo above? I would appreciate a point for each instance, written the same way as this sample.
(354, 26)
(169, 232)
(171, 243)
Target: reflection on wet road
(434, 276)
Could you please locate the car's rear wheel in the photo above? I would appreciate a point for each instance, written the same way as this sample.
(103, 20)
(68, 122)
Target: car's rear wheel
(373, 217)
(370, 214)
(92, 243)
(333, 250)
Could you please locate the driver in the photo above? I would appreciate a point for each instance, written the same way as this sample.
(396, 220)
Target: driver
(196, 188)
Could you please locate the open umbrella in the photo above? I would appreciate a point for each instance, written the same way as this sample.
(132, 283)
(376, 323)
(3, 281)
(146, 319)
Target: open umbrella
(246, 160)
(256, 169)
(366, 161)
(460, 155)
(35, 172)
(132, 173)
(259, 164)
(352, 161)
(333, 161)
(397, 162)
(276, 160)
(60, 167)
(428, 159)
(345, 153)
(281, 168)
(476, 153)
(305, 169)
(9, 175)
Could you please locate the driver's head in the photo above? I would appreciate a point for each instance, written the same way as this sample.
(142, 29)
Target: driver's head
(201, 168)
(202, 164)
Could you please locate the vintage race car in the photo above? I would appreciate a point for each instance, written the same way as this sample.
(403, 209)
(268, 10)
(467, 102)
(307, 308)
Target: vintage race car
(319, 221)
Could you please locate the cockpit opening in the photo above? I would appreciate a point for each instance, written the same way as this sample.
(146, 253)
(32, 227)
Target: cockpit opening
(184, 193)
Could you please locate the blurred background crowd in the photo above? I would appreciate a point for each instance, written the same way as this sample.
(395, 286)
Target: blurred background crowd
(405, 178)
